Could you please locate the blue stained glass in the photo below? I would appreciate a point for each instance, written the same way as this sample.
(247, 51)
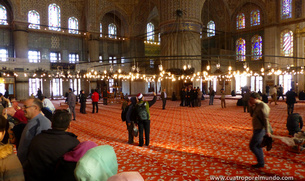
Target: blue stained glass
(240, 21)
(286, 9)
(54, 17)
(255, 18)
(34, 19)
(257, 49)
(73, 25)
(241, 49)
(101, 30)
(150, 32)
(112, 30)
(211, 29)
(3, 15)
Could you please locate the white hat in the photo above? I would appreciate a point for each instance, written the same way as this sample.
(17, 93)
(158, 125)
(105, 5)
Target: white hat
(139, 96)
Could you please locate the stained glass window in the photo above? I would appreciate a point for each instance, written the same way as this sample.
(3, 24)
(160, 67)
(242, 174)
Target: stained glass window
(150, 32)
(112, 31)
(3, 15)
(286, 9)
(54, 17)
(211, 29)
(73, 25)
(55, 57)
(34, 56)
(240, 21)
(287, 43)
(3, 55)
(34, 19)
(255, 18)
(73, 58)
(101, 30)
(241, 49)
(257, 49)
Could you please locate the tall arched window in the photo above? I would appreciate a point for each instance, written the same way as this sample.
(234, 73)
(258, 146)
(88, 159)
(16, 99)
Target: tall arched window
(257, 47)
(240, 49)
(287, 43)
(112, 31)
(211, 29)
(3, 15)
(54, 17)
(255, 18)
(101, 30)
(34, 19)
(73, 25)
(286, 9)
(240, 21)
(150, 28)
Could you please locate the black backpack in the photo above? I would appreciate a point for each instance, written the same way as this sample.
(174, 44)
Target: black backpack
(142, 112)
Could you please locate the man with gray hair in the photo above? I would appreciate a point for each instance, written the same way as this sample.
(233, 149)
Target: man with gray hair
(37, 122)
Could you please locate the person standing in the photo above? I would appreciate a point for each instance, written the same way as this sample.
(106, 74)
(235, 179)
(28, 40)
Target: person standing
(95, 97)
(144, 117)
(267, 90)
(72, 102)
(294, 123)
(131, 118)
(290, 100)
(245, 100)
(212, 94)
(105, 96)
(82, 100)
(259, 112)
(280, 93)
(182, 96)
(36, 123)
(163, 97)
(273, 95)
(39, 94)
(48, 147)
(223, 98)
(199, 95)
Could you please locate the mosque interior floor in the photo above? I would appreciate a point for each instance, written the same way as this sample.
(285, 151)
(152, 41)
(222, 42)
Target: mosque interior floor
(192, 143)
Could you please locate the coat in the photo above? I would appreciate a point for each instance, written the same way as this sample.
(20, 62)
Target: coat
(10, 166)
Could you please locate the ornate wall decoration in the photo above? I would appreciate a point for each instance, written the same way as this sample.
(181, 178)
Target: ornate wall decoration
(55, 42)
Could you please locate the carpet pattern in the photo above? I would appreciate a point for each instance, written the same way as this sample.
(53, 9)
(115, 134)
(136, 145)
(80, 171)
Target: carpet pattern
(192, 143)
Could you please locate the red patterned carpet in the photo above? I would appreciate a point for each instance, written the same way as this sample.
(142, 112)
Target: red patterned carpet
(192, 143)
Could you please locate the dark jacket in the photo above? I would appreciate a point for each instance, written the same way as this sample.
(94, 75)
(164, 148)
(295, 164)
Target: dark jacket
(82, 98)
(294, 123)
(131, 113)
(44, 152)
(290, 97)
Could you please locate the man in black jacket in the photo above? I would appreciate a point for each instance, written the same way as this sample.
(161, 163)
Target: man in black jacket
(82, 100)
(294, 123)
(46, 148)
(290, 100)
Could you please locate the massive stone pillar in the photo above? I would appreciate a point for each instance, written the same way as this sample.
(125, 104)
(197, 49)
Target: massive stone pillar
(21, 39)
(93, 47)
(180, 28)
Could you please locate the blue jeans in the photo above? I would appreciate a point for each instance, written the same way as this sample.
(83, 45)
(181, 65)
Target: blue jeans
(211, 100)
(255, 143)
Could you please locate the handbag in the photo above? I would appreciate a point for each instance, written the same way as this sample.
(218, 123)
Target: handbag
(135, 131)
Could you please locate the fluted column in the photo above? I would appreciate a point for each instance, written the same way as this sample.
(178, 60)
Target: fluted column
(180, 28)
(21, 39)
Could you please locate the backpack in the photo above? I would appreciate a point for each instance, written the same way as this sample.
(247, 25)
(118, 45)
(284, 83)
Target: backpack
(142, 111)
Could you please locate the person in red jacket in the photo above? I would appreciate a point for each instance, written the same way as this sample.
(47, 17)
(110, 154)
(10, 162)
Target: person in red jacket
(95, 97)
